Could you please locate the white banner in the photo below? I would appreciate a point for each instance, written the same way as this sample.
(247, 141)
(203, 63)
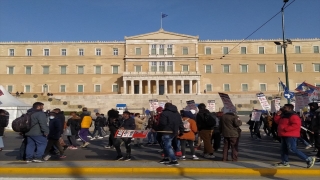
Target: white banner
(255, 115)
(264, 102)
(211, 105)
(154, 104)
(191, 105)
(300, 101)
(227, 103)
(314, 96)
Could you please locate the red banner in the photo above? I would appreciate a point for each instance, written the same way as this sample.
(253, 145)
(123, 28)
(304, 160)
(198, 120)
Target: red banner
(131, 134)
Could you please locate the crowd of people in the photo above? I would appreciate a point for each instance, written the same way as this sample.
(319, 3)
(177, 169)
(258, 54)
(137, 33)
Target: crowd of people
(171, 129)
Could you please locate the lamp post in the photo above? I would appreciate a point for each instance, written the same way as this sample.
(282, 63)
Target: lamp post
(284, 45)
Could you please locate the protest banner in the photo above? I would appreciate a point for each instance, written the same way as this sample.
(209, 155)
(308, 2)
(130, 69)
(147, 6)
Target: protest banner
(255, 115)
(154, 104)
(301, 101)
(263, 101)
(211, 105)
(131, 133)
(227, 103)
(275, 104)
(191, 105)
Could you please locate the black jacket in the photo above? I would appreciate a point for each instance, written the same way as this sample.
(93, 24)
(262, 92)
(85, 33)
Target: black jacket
(4, 120)
(54, 128)
(170, 120)
(128, 124)
(73, 123)
(201, 123)
(315, 122)
(99, 122)
(62, 119)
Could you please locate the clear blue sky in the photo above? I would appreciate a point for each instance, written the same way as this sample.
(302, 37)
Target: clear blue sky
(74, 20)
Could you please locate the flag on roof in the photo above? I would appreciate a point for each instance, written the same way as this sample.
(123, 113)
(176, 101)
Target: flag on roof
(164, 15)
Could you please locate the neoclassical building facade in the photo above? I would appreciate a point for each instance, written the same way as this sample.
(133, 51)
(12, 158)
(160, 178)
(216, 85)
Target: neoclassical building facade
(157, 63)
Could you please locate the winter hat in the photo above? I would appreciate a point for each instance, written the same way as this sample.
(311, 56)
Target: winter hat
(159, 109)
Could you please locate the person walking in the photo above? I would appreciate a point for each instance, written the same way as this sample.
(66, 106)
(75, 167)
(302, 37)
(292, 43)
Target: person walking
(98, 124)
(171, 126)
(229, 128)
(37, 135)
(86, 121)
(289, 125)
(4, 121)
(75, 125)
(139, 126)
(54, 136)
(112, 123)
(315, 126)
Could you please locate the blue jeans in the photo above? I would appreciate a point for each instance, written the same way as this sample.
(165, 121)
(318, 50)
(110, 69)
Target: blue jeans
(152, 137)
(290, 144)
(167, 149)
(33, 143)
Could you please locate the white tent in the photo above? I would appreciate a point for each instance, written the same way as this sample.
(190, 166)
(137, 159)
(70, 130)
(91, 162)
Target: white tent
(12, 105)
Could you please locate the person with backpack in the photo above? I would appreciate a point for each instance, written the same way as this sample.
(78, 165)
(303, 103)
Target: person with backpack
(4, 121)
(37, 134)
(205, 123)
(86, 121)
(190, 128)
(74, 124)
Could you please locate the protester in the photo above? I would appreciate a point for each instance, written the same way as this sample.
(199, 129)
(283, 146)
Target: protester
(315, 126)
(112, 123)
(171, 125)
(54, 136)
(36, 136)
(216, 135)
(152, 135)
(229, 128)
(75, 125)
(4, 121)
(127, 123)
(289, 125)
(98, 125)
(190, 128)
(86, 121)
(139, 126)
(62, 118)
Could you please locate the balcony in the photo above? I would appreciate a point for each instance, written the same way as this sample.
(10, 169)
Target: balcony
(160, 73)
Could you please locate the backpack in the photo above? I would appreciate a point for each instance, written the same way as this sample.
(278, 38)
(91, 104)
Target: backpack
(23, 123)
(209, 119)
(4, 121)
(186, 125)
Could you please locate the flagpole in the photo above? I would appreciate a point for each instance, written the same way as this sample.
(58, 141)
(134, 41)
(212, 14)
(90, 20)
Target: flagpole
(161, 20)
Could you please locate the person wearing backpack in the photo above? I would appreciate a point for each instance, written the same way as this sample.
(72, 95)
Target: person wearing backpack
(4, 121)
(86, 122)
(205, 123)
(190, 128)
(37, 135)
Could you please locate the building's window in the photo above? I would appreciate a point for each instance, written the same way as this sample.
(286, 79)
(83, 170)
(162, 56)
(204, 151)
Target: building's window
(138, 68)
(80, 69)
(225, 50)
(29, 52)
(115, 88)
(243, 50)
(63, 69)
(98, 52)
(169, 49)
(226, 68)
(261, 50)
(63, 52)
(298, 67)
(162, 66)
(10, 88)
(263, 87)
(28, 69)
(27, 88)
(46, 52)
(244, 68)
(161, 49)
(97, 69)
(115, 69)
(80, 89)
(170, 66)
(81, 52)
(10, 70)
(316, 67)
(97, 88)
(208, 50)
(185, 50)
(153, 49)
(62, 88)
(315, 49)
(154, 66)
(138, 51)
(297, 49)
(262, 68)
(115, 51)
(45, 69)
(185, 68)
(11, 52)
(279, 49)
(209, 87)
(244, 87)
(226, 87)
(280, 68)
(208, 68)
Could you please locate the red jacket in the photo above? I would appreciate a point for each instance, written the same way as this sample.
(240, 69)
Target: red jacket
(288, 125)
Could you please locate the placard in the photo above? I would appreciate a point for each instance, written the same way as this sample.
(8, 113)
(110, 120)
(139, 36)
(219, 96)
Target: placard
(301, 99)
(255, 115)
(211, 105)
(263, 101)
(154, 104)
(131, 133)
(227, 103)
(191, 105)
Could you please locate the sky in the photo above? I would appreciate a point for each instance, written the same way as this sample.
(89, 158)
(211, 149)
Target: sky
(108, 20)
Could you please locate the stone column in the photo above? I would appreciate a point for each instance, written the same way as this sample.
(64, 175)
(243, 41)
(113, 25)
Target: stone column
(198, 87)
(140, 87)
(125, 87)
(165, 87)
(157, 87)
(174, 86)
(190, 86)
(182, 86)
(132, 86)
(149, 87)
